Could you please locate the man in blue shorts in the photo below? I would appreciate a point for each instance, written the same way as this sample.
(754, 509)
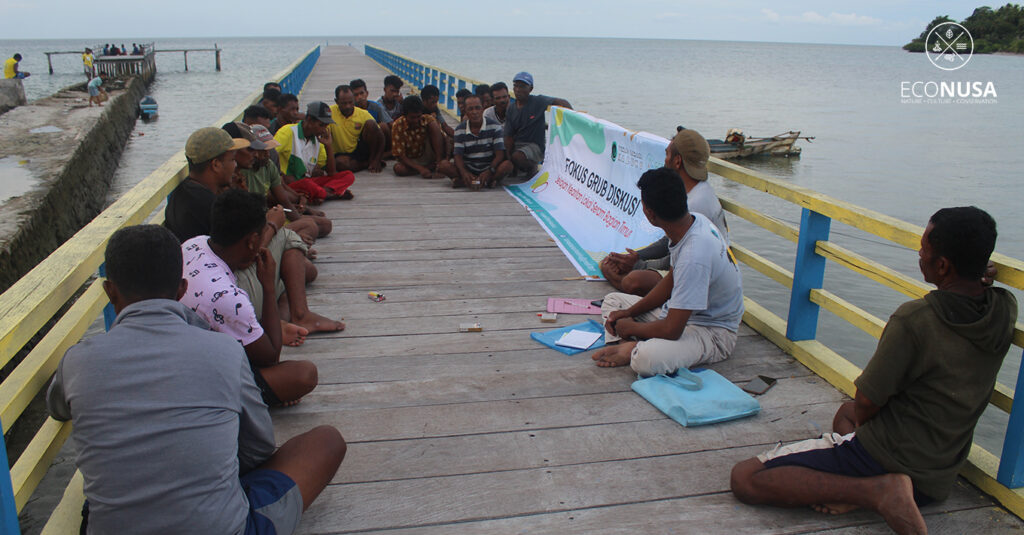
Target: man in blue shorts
(169, 430)
(902, 440)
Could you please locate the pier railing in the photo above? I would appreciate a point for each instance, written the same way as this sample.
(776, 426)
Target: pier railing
(419, 74)
(797, 333)
(51, 307)
(114, 66)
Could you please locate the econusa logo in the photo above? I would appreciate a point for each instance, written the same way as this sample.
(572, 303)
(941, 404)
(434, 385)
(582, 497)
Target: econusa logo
(948, 46)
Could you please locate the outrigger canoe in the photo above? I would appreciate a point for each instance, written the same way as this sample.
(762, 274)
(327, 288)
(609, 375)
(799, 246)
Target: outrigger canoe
(740, 146)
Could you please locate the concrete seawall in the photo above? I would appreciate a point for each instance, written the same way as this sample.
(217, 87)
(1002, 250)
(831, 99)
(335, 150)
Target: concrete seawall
(62, 155)
(12, 94)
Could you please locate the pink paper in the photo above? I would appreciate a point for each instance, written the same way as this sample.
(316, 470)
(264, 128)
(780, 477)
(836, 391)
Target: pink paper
(563, 305)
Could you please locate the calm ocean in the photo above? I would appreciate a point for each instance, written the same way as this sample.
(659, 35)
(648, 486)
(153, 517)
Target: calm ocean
(904, 160)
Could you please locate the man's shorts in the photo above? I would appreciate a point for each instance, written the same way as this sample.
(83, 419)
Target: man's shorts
(361, 152)
(531, 151)
(94, 91)
(275, 503)
(269, 396)
(833, 453)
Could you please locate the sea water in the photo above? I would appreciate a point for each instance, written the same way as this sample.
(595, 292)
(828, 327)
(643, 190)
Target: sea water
(877, 145)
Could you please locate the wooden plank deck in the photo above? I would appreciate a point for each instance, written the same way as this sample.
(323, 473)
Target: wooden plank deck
(490, 432)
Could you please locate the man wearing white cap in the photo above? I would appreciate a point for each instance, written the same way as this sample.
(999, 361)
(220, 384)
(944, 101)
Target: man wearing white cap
(525, 123)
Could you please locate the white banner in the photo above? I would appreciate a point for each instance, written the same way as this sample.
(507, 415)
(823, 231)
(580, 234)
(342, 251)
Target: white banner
(585, 194)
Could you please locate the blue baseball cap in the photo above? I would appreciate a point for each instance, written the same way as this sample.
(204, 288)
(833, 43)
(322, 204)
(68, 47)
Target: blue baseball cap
(524, 77)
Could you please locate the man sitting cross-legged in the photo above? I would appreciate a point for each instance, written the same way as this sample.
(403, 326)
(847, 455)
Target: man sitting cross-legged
(901, 442)
(700, 299)
(357, 138)
(168, 428)
(417, 143)
(211, 263)
(637, 272)
(306, 156)
(479, 149)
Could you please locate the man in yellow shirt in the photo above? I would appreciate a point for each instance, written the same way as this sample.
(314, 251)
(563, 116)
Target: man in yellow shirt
(357, 139)
(87, 59)
(11, 68)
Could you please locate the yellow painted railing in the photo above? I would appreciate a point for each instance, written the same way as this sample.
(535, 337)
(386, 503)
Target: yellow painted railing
(34, 302)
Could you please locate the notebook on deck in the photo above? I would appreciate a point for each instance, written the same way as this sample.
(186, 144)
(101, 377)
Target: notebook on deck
(564, 305)
(549, 338)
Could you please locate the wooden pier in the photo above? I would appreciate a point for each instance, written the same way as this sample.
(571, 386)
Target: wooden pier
(144, 64)
(491, 432)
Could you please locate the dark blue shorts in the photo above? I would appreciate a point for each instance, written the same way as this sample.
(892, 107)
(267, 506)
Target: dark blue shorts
(275, 503)
(835, 454)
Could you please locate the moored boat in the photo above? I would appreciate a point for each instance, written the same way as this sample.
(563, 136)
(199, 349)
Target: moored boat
(737, 145)
(147, 108)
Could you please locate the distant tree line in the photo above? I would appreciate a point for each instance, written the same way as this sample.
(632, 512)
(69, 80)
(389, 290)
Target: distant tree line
(999, 30)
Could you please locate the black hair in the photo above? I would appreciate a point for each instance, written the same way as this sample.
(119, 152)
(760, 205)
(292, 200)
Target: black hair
(497, 86)
(235, 215)
(462, 93)
(271, 94)
(270, 85)
(232, 129)
(357, 83)
(144, 262)
(285, 98)
(17, 57)
(966, 236)
(256, 112)
(663, 193)
(473, 96)
(482, 89)
(341, 89)
(393, 81)
(429, 91)
(412, 104)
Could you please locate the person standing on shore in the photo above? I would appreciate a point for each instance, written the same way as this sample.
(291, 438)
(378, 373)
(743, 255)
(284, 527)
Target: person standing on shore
(497, 111)
(900, 443)
(525, 123)
(96, 92)
(87, 61)
(177, 440)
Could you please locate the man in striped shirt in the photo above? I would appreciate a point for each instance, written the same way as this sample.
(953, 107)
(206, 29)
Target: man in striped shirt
(479, 149)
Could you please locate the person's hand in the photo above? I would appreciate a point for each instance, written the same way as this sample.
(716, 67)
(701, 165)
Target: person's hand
(326, 138)
(265, 267)
(608, 265)
(474, 182)
(318, 171)
(625, 261)
(375, 166)
(990, 274)
(487, 178)
(276, 216)
(624, 327)
(613, 318)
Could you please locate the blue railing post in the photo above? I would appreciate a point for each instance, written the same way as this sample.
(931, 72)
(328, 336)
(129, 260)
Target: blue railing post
(8, 508)
(108, 311)
(809, 273)
(1011, 462)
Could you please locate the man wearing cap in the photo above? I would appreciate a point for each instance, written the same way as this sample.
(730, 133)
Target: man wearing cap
(638, 272)
(210, 153)
(692, 315)
(256, 174)
(525, 123)
(306, 150)
(357, 139)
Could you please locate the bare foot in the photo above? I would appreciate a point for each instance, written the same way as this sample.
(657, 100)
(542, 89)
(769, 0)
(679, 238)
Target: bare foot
(614, 355)
(834, 508)
(311, 253)
(293, 335)
(316, 323)
(291, 403)
(897, 507)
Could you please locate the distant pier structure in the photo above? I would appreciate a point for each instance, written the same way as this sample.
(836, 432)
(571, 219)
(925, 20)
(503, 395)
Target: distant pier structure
(144, 64)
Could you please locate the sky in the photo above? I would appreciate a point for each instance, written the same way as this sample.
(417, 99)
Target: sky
(867, 22)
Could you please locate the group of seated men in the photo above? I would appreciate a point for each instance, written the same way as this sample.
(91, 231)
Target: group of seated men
(496, 137)
(901, 442)
(234, 257)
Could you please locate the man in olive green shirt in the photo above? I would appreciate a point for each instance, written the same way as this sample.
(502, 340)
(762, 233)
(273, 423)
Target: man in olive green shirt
(903, 439)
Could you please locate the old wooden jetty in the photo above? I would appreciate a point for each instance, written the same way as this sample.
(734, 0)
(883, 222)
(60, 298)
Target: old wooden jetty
(144, 63)
(490, 432)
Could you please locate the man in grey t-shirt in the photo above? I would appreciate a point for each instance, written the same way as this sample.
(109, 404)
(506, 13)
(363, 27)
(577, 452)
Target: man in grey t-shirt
(525, 124)
(169, 429)
(637, 272)
(692, 315)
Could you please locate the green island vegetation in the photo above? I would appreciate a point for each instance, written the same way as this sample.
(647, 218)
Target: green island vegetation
(993, 30)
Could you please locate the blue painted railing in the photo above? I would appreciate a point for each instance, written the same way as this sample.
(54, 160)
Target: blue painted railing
(419, 74)
(295, 80)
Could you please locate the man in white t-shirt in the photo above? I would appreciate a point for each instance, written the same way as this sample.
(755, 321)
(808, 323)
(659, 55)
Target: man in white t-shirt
(692, 314)
(637, 272)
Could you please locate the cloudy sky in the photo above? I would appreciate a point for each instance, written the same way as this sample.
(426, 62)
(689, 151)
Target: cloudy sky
(868, 22)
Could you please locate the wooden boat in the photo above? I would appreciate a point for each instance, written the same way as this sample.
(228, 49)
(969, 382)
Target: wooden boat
(147, 108)
(736, 145)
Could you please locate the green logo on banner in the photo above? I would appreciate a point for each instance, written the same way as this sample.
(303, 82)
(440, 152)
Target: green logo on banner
(615, 150)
